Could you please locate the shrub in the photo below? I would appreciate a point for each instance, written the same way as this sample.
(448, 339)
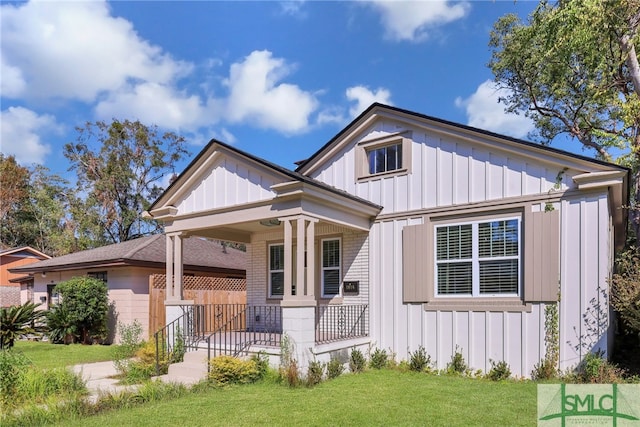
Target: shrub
(379, 359)
(457, 364)
(288, 364)
(261, 359)
(357, 361)
(225, 370)
(545, 370)
(596, 369)
(499, 370)
(130, 342)
(19, 320)
(419, 360)
(87, 304)
(625, 289)
(335, 368)
(315, 372)
(60, 326)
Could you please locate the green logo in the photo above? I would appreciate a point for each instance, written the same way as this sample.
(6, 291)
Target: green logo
(588, 404)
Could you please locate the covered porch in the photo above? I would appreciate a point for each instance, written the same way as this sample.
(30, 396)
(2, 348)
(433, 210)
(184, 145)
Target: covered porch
(305, 242)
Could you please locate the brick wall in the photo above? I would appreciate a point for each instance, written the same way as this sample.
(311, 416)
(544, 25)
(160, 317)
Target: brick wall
(9, 295)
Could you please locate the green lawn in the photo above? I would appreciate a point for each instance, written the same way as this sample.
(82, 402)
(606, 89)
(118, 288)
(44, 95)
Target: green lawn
(46, 355)
(385, 398)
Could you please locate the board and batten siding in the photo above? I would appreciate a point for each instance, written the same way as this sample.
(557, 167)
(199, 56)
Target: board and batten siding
(516, 337)
(446, 171)
(443, 172)
(228, 182)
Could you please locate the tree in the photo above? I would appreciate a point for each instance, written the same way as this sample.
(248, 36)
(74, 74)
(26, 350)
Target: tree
(122, 175)
(35, 210)
(85, 304)
(19, 320)
(14, 189)
(573, 69)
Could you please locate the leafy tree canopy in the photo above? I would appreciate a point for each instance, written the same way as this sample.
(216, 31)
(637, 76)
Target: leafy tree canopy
(573, 69)
(120, 167)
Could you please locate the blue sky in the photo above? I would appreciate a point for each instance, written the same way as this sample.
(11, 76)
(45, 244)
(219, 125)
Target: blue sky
(276, 79)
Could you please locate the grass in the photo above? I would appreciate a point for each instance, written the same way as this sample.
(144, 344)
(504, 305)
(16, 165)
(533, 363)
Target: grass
(46, 355)
(383, 397)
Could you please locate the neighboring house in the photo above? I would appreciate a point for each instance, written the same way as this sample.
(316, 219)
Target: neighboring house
(126, 268)
(406, 230)
(15, 287)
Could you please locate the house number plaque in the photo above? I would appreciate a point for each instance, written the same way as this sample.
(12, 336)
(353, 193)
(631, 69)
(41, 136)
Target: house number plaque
(351, 287)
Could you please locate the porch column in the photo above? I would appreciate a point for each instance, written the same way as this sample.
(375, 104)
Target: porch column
(305, 258)
(299, 310)
(174, 302)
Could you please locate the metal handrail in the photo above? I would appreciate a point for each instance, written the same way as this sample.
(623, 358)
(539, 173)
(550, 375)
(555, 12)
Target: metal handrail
(340, 322)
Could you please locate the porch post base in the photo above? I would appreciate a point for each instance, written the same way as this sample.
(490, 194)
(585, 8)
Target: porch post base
(298, 323)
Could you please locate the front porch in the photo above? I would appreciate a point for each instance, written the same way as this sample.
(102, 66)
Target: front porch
(241, 329)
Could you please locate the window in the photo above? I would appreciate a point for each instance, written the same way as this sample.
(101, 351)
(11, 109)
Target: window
(382, 157)
(385, 159)
(276, 270)
(100, 275)
(330, 267)
(480, 258)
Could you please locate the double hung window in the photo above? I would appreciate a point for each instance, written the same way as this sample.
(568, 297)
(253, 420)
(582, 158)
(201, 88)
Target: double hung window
(479, 258)
(330, 267)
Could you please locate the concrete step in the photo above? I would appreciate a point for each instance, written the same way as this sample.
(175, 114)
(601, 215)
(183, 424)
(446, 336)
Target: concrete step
(198, 356)
(188, 370)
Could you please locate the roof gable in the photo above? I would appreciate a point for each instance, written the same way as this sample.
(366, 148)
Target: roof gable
(24, 252)
(410, 119)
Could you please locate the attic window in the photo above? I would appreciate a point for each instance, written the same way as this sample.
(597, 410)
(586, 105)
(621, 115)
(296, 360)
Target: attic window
(380, 157)
(385, 159)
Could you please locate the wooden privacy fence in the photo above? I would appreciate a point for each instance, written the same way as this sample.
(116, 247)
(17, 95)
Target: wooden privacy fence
(203, 290)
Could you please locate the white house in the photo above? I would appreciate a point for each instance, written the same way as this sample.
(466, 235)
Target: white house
(404, 231)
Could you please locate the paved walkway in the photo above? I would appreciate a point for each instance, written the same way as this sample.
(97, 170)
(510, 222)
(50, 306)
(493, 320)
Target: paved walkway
(99, 379)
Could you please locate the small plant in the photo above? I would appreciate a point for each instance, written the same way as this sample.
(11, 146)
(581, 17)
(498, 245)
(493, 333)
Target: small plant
(288, 364)
(261, 359)
(379, 359)
(130, 342)
(335, 368)
(545, 370)
(596, 369)
(499, 371)
(225, 370)
(457, 364)
(315, 372)
(19, 320)
(419, 360)
(357, 361)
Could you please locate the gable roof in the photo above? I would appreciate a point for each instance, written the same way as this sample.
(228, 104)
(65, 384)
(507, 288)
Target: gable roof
(381, 109)
(214, 145)
(23, 249)
(198, 254)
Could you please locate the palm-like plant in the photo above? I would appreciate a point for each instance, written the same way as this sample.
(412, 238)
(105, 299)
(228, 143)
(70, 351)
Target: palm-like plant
(19, 320)
(61, 326)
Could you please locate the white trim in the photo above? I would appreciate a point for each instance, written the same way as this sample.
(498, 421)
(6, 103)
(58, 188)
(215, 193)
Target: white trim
(475, 258)
(269, 271)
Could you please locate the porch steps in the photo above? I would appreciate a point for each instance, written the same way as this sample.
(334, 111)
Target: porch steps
(191, 370)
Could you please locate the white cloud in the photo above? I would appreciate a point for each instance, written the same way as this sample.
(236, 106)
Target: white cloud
(257, 96)
(20, 129)
(76, 50)
(364, 97)
(154, 103)
(485, 112)
(412, 20)
(11, 80)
